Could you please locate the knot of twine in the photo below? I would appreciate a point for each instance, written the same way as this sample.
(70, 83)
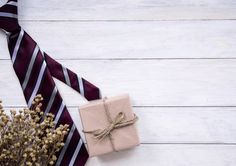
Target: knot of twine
(118, 122)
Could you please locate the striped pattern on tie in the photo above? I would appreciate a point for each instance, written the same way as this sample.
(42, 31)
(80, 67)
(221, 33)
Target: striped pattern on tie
(35, 71)
(9, 17)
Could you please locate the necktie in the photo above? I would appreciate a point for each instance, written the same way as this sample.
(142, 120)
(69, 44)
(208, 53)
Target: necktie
(35, 71)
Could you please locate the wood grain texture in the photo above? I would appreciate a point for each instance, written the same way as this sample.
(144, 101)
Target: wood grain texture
(182, 125)
(150, 83)
(170, 155)
(127, 10)
(177, 126)
(132, 40)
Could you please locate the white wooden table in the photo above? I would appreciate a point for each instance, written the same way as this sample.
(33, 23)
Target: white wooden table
(177, 59)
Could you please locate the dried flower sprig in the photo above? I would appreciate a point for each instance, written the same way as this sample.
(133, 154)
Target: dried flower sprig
(30, 138)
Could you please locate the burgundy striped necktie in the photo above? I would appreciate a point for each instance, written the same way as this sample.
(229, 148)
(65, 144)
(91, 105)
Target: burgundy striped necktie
(35, 71)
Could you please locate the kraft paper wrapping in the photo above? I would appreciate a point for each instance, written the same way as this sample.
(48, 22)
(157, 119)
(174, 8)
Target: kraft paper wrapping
(93, 117)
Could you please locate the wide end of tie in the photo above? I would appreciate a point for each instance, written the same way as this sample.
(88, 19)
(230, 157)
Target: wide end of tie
(9, 16)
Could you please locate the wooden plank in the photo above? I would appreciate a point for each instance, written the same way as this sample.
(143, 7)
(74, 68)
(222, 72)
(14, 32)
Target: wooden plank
(132, 40)
(126, 10)
(150, 83)
(179, 125)
(182, 125)
(170, 155)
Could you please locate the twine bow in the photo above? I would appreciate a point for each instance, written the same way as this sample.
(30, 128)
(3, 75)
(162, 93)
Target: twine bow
(118, 122)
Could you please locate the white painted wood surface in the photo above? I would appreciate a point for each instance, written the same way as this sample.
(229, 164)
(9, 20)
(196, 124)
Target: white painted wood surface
(131, 40)
(175, 58)
(171, 155)
(127, 10)
(181, 82)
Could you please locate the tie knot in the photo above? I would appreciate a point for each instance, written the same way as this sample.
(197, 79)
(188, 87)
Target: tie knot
(9, 17)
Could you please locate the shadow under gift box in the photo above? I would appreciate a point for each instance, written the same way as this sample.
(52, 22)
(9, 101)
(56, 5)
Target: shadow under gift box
(93, 116)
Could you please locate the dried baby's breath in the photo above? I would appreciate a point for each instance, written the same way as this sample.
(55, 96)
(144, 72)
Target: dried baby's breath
(30, 138)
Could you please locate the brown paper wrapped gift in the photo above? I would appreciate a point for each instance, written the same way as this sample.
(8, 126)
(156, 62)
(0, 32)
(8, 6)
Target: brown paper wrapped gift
(109, 125)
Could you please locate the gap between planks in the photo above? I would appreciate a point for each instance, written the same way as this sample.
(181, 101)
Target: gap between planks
(167, 143)
(157, 20)
(132, 59)
(141, 106)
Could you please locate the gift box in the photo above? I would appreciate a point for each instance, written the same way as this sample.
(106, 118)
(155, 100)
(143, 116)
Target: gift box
(109, 125)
